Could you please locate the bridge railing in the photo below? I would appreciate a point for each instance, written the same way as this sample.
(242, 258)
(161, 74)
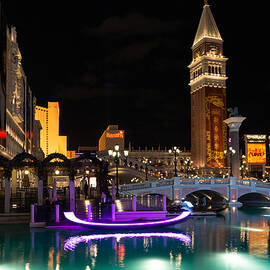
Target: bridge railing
(262, 184)
(135, 186)
(244, 182)
(221, 181)
(187, 181)
(198, 181)
(205, 181)
(165, 183)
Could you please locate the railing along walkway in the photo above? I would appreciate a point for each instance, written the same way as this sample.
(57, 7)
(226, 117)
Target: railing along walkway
(195, 181)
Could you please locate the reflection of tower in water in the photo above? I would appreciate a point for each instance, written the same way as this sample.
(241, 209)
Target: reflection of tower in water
(258, 241)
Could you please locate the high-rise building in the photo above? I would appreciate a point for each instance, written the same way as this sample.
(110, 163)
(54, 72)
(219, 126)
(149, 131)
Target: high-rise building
(208, 94)
(16, 99)
(50, 141)
(110, 137)
(3, 79)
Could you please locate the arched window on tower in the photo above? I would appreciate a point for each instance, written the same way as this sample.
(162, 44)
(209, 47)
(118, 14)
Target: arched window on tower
(219, 70)
(213, 69)
(216, 70)
(209, 69)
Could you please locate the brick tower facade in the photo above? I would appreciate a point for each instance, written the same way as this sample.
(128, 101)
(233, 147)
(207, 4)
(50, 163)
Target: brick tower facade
(208, 94)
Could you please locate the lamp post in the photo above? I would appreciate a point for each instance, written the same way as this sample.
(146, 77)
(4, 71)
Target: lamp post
(175, 151)
(147, 162)
(188, 163)
(230, 152)
(116, 157)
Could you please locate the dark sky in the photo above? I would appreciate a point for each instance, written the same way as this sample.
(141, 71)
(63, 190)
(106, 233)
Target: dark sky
(125, 62)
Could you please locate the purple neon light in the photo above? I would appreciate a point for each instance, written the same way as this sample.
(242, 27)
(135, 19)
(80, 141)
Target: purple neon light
(70, 216)
(72, 242)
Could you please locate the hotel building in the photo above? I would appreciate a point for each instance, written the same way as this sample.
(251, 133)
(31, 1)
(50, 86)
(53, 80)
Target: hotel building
(50, 141)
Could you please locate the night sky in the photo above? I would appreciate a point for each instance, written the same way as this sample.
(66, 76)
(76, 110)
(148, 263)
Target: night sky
(125, 62)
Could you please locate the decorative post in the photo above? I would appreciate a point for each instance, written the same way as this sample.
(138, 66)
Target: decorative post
(89, 212)
(40, 185)
(234, 122)
(54, 190)
(164, 203)
(7, 175)
(32, 213)
(57, 213)
(134, 203)
(72, 190)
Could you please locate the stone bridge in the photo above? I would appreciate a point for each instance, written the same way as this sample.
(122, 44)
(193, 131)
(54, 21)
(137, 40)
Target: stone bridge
(176, 188)
(127, 173)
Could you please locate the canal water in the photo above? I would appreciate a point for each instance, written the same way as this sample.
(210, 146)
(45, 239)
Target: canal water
(235, 239)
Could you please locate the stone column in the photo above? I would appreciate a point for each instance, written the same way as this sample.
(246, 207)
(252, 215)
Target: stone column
(40, 186)
(14, 181)
(54, 190)
(7, 176)
(234, 124)
(72, 191)
(40, 191)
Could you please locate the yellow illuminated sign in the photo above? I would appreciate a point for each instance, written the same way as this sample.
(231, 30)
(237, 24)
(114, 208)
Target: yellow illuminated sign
(256, 153)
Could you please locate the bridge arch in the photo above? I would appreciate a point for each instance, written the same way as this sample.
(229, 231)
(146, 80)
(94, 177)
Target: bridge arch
(211, 196)
(254, 198)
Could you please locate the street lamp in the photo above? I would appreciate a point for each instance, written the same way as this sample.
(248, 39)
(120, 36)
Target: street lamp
(116, 157)
(176, 152)
(147, 162)
(230, 152)
(188, 162)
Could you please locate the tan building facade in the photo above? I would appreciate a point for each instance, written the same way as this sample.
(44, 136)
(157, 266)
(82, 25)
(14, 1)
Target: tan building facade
(110, 137)
(50, 141)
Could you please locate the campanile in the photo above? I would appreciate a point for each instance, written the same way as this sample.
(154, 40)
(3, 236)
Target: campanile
(208, 94)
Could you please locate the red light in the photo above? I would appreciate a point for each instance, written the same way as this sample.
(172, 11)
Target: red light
(3, 134)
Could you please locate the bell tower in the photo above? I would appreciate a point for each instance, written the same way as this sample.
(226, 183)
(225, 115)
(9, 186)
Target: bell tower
(208, 94)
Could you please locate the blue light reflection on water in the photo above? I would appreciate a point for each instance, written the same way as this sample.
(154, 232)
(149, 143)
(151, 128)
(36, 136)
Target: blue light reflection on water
(238, 239)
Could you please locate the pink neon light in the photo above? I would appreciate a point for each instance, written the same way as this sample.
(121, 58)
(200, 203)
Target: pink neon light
(72, 242)
(70, 216)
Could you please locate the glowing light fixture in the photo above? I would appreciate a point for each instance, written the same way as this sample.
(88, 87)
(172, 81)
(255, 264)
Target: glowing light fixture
(26, 172)
(72, 242)
(57, 172)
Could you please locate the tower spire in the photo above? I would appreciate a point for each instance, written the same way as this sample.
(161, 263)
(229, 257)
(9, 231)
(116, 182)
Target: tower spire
(207, 27)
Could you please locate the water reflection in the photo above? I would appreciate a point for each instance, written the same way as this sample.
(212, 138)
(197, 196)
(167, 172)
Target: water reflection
(236, 239)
